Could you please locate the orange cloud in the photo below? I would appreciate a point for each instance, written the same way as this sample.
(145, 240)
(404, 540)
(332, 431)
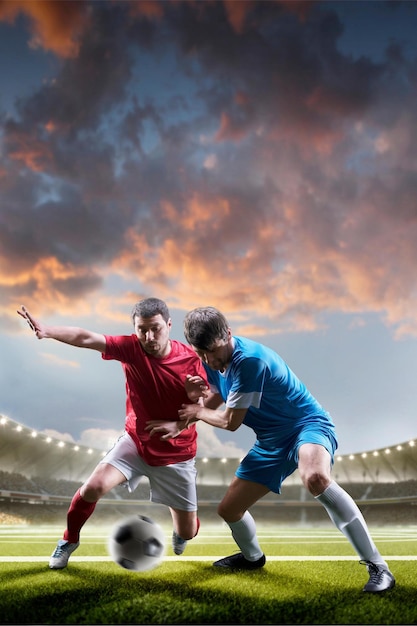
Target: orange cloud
(58, 361)
(287, 274)
(35, 156)
(238, 10)
(54, 26)
(147, 8)
(44, 284)
(198, 212)
(228, 131)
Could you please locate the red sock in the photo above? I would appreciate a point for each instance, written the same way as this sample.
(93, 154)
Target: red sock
(78, 513)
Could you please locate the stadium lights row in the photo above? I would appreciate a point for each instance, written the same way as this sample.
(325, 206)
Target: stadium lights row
(352, 457)
(60, 444)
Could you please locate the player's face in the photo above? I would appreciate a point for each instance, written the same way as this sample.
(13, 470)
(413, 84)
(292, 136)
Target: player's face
(153, 334)
(219, 355)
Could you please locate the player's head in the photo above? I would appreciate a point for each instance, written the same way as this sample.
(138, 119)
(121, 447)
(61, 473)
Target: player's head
(152, 324)
(207, 331)
(149, 307)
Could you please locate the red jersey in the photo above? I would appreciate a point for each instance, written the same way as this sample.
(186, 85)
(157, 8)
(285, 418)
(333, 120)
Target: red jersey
(155, 391)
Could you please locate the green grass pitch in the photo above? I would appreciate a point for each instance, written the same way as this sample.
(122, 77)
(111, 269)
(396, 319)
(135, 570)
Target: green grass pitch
(312, 576)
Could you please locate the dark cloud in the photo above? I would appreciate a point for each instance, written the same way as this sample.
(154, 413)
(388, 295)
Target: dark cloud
(270, 158)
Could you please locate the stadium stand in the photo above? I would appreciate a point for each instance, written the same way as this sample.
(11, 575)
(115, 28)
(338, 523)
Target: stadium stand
(40, 474)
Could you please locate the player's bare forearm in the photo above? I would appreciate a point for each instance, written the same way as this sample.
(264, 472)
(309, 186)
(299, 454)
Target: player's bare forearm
(228, 419)
(71, 335)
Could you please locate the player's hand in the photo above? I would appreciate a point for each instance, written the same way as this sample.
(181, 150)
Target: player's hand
(33, 324)
(189, 412)
(169, 430)
(196, 387)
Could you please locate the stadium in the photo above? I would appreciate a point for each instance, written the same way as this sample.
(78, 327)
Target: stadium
(316, 568)
(44, 473)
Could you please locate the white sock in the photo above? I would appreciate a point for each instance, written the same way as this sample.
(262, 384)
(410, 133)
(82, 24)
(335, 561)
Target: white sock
(346, 516)
(244, 533)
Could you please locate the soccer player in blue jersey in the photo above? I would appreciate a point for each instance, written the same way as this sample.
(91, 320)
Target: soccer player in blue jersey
(251, 384)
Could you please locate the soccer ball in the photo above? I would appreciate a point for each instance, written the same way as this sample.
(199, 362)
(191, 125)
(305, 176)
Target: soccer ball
(137, 543)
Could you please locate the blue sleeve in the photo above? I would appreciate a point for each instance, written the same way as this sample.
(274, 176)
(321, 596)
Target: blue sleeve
(248, 380)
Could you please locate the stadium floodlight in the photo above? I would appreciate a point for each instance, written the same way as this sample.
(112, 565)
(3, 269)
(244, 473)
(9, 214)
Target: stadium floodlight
(411, 444)
(61, 444)
(387, 451)
(3, 420)
(34, 434)
(375, 453)
(399, 448)
(351, 457)
(76, 448)
(364, 455)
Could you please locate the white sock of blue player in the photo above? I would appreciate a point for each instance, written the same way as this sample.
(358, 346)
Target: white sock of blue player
(244, 533)
(346, 516)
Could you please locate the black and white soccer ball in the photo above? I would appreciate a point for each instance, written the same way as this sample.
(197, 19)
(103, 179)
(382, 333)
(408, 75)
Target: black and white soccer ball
(137, 543)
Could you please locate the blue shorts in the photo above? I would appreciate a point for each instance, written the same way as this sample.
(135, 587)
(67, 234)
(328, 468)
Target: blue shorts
(270, 466)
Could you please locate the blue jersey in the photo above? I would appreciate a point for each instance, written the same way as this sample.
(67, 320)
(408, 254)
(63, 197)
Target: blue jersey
(278, 404)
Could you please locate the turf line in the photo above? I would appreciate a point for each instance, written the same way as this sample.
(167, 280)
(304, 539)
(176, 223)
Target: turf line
(99, 559)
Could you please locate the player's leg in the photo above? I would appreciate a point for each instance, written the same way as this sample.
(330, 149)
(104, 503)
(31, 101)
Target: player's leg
(185, 523)
(83, 503)
(315, 466)
(240, 496)
(185, 527)
(115, 468)
(100, 482)
(175, 486)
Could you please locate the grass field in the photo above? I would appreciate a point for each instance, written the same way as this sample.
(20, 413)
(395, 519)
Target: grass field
(312, 576)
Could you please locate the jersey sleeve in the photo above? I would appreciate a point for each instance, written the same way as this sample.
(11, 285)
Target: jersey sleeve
(248, 384)
(119, 348)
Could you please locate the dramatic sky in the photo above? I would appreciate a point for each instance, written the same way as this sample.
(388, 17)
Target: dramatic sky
(256, 156)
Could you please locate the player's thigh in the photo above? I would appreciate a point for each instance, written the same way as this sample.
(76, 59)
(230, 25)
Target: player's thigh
(174, 485)
(239, 497)
(103, 478)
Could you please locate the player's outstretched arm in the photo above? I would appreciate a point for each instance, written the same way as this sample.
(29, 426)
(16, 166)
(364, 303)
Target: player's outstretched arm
(72, 335)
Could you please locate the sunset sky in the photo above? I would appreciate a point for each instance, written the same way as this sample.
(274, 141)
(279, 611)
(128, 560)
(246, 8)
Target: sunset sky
(260, 157)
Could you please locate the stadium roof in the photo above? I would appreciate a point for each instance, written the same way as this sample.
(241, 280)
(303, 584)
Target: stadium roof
(27, 452)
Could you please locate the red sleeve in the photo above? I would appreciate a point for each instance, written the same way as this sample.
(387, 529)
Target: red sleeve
(120, 348)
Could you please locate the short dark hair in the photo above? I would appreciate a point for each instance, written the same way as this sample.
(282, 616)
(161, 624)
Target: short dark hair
(204, 326)
(150, 307)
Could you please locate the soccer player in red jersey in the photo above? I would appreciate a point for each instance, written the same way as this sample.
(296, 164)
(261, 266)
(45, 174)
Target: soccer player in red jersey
(155, 369)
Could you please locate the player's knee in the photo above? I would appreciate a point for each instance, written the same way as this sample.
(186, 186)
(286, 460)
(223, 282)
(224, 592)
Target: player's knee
(92, 492)
(227, 513)
(221, 510)
(316, 482)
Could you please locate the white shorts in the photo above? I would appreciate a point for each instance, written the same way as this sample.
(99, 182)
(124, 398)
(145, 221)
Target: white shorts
(172, 485)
